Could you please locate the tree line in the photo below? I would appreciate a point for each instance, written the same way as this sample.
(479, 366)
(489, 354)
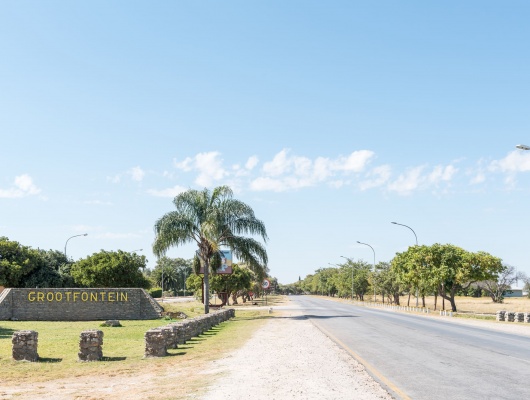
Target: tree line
(24, 267)
(444, 271)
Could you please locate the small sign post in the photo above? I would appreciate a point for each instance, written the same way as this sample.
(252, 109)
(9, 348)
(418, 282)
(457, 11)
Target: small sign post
(265, 285)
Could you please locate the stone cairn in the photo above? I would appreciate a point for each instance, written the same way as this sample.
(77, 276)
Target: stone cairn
(158, 340)
(25, 345)
(90, 343)
(509, 316)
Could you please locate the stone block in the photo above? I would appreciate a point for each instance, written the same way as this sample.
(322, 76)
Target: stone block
(25, 345)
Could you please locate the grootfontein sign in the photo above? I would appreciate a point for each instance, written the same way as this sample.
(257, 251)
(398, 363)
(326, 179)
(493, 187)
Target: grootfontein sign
(76, 304)
(75, 296)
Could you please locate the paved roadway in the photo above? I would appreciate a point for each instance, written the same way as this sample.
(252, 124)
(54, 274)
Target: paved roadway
(418, 357)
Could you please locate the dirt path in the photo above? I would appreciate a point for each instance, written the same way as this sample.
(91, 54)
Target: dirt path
(289, 358)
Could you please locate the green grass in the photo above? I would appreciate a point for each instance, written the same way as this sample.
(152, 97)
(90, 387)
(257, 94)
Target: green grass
(123, 350)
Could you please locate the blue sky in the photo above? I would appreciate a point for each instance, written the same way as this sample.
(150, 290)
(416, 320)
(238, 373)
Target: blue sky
(331, 119)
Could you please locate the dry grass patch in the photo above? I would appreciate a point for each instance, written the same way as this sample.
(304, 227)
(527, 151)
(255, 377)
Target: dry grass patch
(471, 305)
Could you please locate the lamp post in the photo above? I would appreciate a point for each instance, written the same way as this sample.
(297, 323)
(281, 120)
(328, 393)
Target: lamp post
(366, 244)
(351, 277)
(406, 226)
(83, 234)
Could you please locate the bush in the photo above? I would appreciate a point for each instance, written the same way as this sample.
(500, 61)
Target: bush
(156, 293)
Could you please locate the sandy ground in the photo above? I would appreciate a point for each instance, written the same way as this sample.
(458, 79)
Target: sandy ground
(289, 358)
(297, 361)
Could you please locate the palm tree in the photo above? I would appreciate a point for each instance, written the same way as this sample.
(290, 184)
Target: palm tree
(212, 219)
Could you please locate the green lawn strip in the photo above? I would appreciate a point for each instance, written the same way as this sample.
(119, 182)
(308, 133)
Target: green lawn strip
(123, 350)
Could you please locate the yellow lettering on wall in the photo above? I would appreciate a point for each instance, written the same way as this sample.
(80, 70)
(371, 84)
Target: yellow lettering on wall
(84, 296)
(102, 295)
(49, 296)
(123, 296)
(68, 294)
(93, 296)
(40, 296)
(76, 295)
(58, 296)
(111, 296)
(31, 296)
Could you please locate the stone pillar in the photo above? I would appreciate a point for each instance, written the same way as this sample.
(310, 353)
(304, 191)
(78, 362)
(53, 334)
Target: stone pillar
(155, 343)
(90, 343)
(510, 316)
(526, 317)
(501, 315)
(519, 317)
(25, 345)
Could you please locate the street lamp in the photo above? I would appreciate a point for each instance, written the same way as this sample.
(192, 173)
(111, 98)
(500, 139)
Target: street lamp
(366, 244)
(351, 277)
(83, 234)
(406, 226)
(522, 147)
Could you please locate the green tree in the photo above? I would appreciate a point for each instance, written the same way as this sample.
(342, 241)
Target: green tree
(212, 219)
(234, 284)
(388, 283)
(111, 269)
(355, 275)
(447, 269)
(17, 263)
(173, 270)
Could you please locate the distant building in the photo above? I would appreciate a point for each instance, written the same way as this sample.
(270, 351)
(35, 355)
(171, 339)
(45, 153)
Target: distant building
(515, 292)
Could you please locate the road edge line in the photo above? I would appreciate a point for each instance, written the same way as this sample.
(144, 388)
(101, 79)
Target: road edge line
(378, 376)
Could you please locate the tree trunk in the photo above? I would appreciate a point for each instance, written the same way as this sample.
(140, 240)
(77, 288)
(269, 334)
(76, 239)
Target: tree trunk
(408, 302)
(206, 292)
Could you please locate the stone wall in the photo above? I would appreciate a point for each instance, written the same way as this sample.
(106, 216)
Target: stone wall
(158, 340)
(6, 309)
(77, 304)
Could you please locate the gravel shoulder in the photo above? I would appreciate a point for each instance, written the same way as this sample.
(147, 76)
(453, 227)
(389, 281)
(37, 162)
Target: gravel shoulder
(289, 358)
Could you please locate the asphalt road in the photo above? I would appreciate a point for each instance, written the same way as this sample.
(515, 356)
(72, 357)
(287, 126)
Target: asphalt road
(417, 357)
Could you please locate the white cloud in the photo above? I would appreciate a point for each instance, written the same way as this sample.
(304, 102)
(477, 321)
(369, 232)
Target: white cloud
(355, 162)
(442, 174)
(137, 174)
(279, 164)
(407, 182)
(209, 166)
(516, 161)
(286, 172)
(479, 177)
(114, 179)
(185, 165)
(169, 192)
(23, 186)
(376, 177)
(251, 163)
(414, 179)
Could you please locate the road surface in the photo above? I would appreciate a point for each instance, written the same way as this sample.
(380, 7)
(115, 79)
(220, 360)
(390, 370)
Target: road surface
(418, 357)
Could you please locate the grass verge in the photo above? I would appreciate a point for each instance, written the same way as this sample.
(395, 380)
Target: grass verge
(123, 350)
